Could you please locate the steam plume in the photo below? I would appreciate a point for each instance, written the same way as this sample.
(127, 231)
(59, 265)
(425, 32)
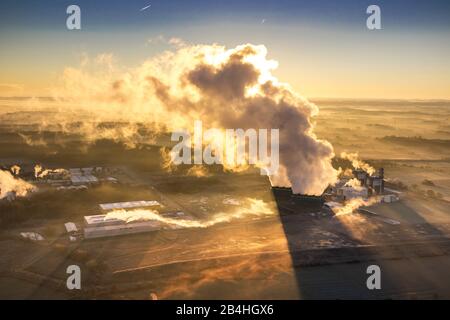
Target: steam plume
(254, 208)
(15, 169)
(40, 172)
(353, 204)
(354, 183)
(9, 185)
(231, 88)
(358, 163)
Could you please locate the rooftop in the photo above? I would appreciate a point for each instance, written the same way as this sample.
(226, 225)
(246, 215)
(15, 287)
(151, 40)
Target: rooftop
(129, 204)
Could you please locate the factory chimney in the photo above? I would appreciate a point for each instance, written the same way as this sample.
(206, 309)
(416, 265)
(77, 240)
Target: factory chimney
(381, 175)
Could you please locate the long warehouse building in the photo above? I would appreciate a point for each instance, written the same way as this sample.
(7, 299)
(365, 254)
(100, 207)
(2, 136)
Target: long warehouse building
(129, 205)
(120, 228)
(102, 225)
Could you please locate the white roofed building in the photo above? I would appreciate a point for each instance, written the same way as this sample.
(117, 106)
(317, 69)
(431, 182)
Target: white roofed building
(121, 229)
(129, 204)
(70, 227)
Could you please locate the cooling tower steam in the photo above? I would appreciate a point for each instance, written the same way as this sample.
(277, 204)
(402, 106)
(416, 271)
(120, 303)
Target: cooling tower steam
(224, 88)
(12, 186)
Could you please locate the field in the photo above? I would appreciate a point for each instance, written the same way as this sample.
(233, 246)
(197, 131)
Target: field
(281, 255)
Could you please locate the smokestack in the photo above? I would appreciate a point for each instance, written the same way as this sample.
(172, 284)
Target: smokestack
(381, 174)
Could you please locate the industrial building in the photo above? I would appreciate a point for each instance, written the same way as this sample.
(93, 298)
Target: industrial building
(100, 220)
(72, 231)
(374, 183)
(349, 192)
(335, 195)
(389, 198)
(284, 192)
(70, 227)
(289, 202)
(82, 176)
(98, 226)
(119, 227)
(129, 204)
(366, 186)
(102, 225)
(33, 236)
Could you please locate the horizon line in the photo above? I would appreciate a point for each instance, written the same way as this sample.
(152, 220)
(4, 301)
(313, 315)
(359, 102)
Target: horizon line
(312, 99)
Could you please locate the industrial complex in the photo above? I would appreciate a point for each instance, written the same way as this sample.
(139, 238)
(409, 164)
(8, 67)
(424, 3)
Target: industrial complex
(141, 226)
(360, 185)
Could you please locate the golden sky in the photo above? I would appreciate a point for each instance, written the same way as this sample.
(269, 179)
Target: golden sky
(323, 52)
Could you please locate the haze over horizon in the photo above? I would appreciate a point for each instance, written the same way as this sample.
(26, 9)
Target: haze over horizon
(323, 48)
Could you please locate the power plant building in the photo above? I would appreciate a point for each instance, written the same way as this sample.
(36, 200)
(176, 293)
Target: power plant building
(374, 183)
(348, 192)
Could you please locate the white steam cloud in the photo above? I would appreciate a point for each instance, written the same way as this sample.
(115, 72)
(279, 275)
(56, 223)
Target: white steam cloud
(358, 163)
(226, 89)
(354, 204)
(10, 187)
(40, 172)
(254, 208)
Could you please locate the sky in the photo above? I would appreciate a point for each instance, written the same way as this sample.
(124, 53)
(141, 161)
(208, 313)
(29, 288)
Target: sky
(324, 48)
